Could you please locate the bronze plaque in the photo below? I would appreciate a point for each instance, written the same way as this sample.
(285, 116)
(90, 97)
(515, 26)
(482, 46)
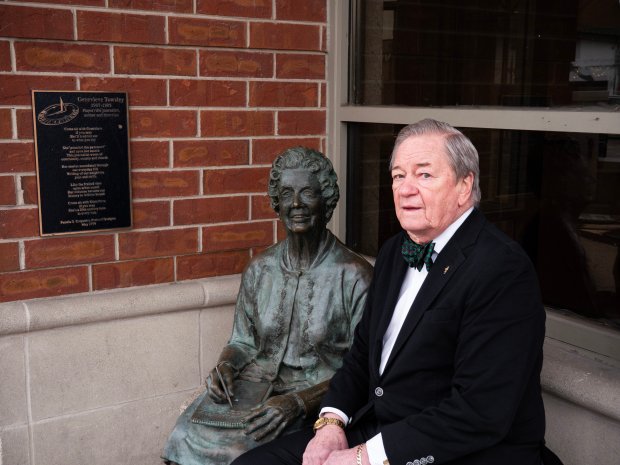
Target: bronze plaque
(82, 156)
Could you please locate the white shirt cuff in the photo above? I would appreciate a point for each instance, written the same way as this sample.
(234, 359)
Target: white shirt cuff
(376, 451)
(338, 412)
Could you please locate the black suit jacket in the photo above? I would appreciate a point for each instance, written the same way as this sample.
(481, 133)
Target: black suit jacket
(462, 384)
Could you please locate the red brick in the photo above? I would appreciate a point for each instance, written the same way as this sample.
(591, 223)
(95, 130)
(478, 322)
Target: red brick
(206, 32)
(211, 264)
(19, 222)
(301, 122)
(178, 6)
(7, 190)
(243, 8)
(237, 236)
(5, 56)
(31, 193)
(133, 273)
(16, 157)
(284, 94)
(280, 232)
(6, 130)
(308, 10)
(266, 150)
(156, 61)
(211, 210)
(324, 39)
(236, 64)
(323, 95)
(43, 283)
(114, 27)
(261, 208)
(237, 180)
(162, 123)
(151, 214)
(36, 23)
(282, 36)
(236, 123)
(15, 90)
(140, 91)
(62, 251)
(300, 66)
(73, 2)
(160, 243)
(153, 184)
(149, 154)
(67, 58)
(207, 93)
(24, 124)
(210, 153)
(9, 256)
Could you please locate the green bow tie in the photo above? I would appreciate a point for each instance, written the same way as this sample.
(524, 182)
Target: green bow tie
(417, 255)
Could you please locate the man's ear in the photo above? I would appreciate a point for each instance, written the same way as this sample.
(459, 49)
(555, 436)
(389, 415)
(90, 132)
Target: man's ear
(466, 186)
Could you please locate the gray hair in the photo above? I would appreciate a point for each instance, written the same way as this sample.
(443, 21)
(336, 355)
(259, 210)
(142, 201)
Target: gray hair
(462, 155)
(313, 161)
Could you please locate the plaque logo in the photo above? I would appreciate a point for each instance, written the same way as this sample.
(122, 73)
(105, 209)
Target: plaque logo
(58, 113)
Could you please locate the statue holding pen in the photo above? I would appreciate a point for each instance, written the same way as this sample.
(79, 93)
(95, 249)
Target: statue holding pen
(297, 307)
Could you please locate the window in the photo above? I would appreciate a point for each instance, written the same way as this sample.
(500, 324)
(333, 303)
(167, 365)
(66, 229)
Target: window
(536, 86)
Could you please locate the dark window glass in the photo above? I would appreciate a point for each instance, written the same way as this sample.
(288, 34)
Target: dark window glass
(557, 194)
(556, 53)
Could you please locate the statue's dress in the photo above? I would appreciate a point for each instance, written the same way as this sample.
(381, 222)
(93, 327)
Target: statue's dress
(292, 328)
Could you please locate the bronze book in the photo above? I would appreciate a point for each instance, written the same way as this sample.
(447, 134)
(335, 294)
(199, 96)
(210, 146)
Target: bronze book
(247, 395)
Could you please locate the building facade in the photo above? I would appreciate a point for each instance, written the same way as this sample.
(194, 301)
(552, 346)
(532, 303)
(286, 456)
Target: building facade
(105, 335)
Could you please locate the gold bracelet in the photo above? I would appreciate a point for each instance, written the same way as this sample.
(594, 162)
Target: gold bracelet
(358, 454)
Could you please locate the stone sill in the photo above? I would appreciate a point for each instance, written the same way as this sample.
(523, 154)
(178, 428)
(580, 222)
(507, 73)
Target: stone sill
(57, 312)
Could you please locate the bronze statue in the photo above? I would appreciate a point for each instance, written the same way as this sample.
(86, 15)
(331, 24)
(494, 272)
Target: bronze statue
(296, 311)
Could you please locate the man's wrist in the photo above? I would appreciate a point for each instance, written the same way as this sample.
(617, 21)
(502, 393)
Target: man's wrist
(328, 420)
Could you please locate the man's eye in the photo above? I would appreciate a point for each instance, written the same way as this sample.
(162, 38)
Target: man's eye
(397, 176)
(425, 175)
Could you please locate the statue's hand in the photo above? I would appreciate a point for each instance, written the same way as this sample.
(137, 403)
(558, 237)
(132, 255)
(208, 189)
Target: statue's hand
(214, 381)
(268, 420)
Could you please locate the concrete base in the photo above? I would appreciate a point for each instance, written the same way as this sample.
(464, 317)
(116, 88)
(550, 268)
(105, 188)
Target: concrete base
(100, 379)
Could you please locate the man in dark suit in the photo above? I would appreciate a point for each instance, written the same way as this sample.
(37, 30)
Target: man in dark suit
(445, 363)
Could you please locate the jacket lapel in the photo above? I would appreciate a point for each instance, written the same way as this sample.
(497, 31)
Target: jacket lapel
(445, 266)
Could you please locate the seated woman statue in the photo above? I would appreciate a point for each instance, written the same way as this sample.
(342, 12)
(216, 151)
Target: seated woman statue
(296, 311)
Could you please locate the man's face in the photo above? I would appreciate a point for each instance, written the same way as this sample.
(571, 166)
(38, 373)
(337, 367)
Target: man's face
(427, 195)
(301, 204)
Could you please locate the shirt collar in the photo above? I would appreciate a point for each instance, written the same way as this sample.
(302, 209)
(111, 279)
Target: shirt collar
(441, 240)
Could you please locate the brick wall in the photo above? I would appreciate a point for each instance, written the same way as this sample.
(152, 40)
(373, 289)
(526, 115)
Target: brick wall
(216, 89)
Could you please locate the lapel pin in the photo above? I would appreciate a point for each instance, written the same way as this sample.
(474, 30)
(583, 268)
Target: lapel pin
(445, 270)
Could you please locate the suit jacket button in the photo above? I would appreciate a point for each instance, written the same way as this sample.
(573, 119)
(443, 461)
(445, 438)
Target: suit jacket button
(409, 463)
(378, 392)
(416, 462)
(430, 459)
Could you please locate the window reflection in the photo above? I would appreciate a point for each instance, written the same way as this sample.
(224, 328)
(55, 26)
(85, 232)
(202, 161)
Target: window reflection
(557, 194)
(554, 53)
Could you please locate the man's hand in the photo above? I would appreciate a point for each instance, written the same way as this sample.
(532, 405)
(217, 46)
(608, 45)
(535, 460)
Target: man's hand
(348, 456)
(328, 439)
(268, 420)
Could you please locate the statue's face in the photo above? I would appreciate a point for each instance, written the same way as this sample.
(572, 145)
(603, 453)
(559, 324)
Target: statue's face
(301, 204)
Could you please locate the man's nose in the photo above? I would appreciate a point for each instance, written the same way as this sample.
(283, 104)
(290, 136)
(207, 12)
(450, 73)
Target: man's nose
(409, 186)
(296, 199)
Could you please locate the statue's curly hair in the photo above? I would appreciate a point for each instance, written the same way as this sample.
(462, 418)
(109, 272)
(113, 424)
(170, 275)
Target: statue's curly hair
(315, 162)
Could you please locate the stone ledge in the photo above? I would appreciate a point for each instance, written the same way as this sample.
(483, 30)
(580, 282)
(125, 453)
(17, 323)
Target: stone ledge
(56, 312)
(589, 380)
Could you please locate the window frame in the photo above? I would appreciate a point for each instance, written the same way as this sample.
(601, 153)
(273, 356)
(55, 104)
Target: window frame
(578, 332)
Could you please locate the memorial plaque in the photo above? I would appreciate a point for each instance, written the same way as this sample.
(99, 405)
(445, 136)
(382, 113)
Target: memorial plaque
(82, 155)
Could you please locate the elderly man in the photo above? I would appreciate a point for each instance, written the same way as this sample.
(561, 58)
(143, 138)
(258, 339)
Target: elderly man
(445, 363)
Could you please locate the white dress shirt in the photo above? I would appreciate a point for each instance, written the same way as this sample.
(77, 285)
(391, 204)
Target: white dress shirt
(409, 290)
